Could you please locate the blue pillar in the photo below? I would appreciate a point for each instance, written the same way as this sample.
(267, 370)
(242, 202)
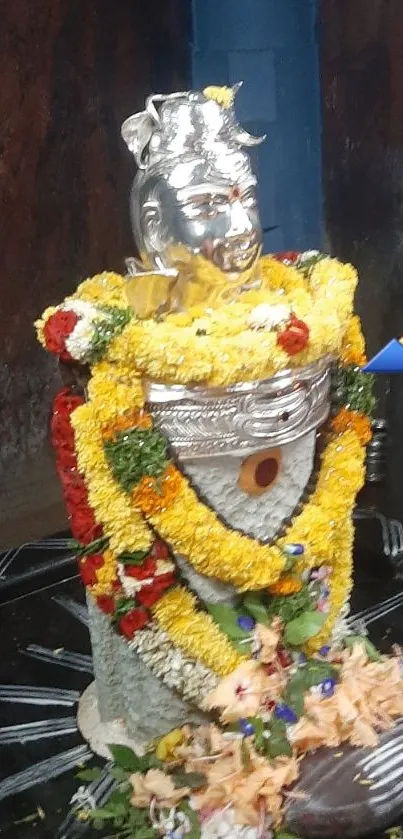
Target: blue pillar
(271, 46)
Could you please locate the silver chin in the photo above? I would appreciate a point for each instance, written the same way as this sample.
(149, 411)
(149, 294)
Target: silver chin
(193, 200)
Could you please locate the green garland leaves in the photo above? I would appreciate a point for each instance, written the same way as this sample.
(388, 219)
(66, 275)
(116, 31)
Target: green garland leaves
(290, 606)
(136, 453)
(354, 390)
(108, 328)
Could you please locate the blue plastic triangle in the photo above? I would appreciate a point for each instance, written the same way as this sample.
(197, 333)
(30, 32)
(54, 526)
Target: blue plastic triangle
(388, 360)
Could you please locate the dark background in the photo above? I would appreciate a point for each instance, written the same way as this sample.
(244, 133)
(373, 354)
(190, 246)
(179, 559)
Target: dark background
(361, 60)
(70, 73)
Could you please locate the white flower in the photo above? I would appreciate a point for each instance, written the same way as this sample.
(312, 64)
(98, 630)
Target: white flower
(265, 316)
(164, 566)
(82, 308)
(130, 584)
(80, 339)
(306, 256)
(221, 825)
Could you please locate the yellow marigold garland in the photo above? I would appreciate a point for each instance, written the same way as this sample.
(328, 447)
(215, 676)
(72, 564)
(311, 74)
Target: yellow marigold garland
(113, 509)
(353, 346)
(195, 632)
(106, 289)
(106, 575)
(233, 352)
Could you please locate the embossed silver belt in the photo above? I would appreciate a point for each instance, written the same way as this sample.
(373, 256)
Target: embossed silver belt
(247, 417)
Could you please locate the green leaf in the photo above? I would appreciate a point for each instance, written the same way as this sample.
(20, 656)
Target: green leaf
(88, 775)
(101, 813)
(370, 649)
(253, 604)
(258, 725)
(194, 821)
(282, 834)
(227, 620)
(125, 758)
(135, 558)
(304, 627)
(245, 756)
(98, 824)
(194, 780)
(119, 801)
(294, 697)
(316, 671)
(278, 743)
(290, 606)
(119, 774)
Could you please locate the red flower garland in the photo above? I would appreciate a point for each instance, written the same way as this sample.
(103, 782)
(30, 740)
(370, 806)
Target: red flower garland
(148, 595)
(57, 328)
(81, 516)
(132, 621)
(86, 530)
(143, 571)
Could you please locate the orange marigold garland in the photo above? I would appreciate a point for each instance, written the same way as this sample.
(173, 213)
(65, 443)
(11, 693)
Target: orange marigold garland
(347, 420)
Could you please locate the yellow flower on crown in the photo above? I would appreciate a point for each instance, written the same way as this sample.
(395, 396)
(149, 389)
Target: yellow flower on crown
(224, 96)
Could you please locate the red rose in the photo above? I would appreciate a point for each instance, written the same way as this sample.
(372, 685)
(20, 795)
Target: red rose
(141, 572)
(106, 604)
(149, 595)
(294, 337)
(132, 621)
(286, 256)
(160, 550)
(57, 328)
(88, 567)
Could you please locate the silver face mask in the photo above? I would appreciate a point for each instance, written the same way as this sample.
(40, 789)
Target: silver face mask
(193, 199)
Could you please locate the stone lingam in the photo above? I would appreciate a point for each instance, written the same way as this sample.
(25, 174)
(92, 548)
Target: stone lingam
(210, 472)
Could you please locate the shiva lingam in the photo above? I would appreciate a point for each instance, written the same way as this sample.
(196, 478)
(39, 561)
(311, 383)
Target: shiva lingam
(248, 449)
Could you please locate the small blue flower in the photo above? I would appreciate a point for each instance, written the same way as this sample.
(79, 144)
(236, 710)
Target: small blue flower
(285, 713)
(294, 549)
(324, 651)
(302, 658)
(246, 727)
(327, 687)
(246, 622)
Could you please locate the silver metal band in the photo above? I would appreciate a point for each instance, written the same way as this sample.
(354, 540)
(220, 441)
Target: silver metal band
(247, 417)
